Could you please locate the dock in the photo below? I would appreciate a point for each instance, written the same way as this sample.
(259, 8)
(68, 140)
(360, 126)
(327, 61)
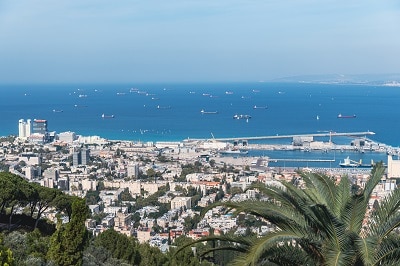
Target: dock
(303, 160)
(325, 134)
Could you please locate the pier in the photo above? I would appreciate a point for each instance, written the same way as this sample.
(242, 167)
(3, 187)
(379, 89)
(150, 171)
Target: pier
(325, 134)
(303, 160)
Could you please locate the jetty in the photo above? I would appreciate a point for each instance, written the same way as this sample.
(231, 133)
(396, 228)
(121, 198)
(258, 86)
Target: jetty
(311, 135)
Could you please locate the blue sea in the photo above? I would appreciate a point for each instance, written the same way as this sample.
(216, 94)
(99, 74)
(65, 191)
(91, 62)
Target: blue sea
(172, 112)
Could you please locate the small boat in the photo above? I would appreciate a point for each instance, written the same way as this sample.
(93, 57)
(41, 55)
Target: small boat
(57, 111)
(260, 107)
(229, 92)
(163, 107)
(241, 117)
(346, 116)
(82, 95)
(208, 112)
(76, 105)
(317, 117)
(107, 116)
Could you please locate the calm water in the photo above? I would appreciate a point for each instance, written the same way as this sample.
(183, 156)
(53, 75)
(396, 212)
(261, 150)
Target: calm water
(291, 109)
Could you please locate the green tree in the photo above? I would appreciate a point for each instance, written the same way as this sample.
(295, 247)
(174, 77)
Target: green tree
(151, 256)
(324, 224)
(69, 241)
(188, 257)
(63, 203)
(7, 189)
(46, 197)
(120, 246)
(37, 245)
(6, 255)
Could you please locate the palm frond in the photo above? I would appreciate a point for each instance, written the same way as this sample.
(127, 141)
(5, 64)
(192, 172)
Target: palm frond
(238, 243)
(376, 175)
(260, 249)
(388, 250)
(342, 196)
(386, 216)
(322, 186)
(366, 248)
(354, 212)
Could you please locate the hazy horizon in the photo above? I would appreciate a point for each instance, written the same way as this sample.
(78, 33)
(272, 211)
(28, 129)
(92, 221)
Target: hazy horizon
(195, 41)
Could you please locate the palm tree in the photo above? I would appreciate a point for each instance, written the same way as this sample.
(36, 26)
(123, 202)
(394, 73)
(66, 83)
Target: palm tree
(323, 224)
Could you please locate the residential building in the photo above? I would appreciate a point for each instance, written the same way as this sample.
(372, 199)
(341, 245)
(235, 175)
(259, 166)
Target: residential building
(180, 202)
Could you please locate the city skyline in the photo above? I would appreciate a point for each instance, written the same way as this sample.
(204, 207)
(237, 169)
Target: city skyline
(193, 41)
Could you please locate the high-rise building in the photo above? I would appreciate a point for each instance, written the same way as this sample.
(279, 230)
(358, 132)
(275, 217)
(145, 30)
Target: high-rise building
(85, 156)
(21, 128)
(133, 170)
(24, 128)
(40, 126)
(76, 158)
(80, 156)
(28, 128)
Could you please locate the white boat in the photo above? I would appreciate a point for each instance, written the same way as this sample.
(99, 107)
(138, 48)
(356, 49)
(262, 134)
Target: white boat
(242, 117)
(163, 107)
(107, 116)
(260, 107)
(208, 112)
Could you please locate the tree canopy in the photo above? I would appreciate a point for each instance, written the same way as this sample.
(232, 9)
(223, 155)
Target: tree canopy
(326, 223)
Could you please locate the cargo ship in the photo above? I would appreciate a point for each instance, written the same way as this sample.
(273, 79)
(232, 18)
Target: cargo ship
(346, 116)
(241, 117)
(208, 112)
(107, 116)
(348, 163)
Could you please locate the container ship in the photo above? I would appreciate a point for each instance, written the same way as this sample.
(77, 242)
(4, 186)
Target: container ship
(346, 116)
(208, 112)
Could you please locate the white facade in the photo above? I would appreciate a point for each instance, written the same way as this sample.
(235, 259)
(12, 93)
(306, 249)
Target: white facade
(24, 128)
(67, 137)
(393, 167)
(179, 202)
(30, 158)
(89, 184)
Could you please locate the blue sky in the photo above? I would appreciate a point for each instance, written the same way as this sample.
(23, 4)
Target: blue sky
(73, 41)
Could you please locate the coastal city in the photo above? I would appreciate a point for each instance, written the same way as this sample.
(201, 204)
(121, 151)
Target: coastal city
(177, 180)
(199, 133)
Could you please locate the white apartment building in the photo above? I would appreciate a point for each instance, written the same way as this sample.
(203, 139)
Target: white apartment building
(179, 202)
(24, 128)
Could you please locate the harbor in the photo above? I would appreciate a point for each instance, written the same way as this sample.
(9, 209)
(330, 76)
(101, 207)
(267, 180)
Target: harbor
(319, 150)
